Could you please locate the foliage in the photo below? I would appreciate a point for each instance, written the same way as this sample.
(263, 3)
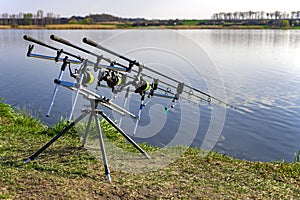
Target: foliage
(28, 18)
(73, 21)
(190, 22)
(297, 156)
(86, 20)
(285, 24)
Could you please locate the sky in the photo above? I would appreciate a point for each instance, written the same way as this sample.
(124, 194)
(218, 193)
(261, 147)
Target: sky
(149, 9)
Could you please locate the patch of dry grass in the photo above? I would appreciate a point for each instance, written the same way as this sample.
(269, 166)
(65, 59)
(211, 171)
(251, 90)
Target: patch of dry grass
(67, 171)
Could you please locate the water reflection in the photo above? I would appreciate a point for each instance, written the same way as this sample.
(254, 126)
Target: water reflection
(259, 68)
(256, 38)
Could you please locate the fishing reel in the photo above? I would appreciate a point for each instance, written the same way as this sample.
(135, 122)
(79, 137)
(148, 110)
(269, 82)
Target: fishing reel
(87, 79)
(111, 78)
(141, 85)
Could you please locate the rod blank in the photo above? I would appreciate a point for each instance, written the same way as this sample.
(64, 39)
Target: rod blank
(28, 38)
(209, 97)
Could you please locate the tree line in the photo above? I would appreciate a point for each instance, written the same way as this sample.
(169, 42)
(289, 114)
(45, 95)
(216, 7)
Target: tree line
(261, 18)
(251, 15)
(38, 18)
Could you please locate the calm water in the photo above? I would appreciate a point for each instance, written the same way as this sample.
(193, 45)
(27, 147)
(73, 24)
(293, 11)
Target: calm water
(258, 70)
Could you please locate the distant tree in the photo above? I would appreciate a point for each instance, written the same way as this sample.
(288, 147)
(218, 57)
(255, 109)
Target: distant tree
(215, 16)
(5, 18)
(27, 18)
(57, 19)
(293, 14)
(262, 14)
(250, 14)
(222, 15)
(86, 20)
(73, 21)
(40, 16)
(235, 15)
(242, 15)
(20, 15)
(277, 14)
(13, 19)
(285, 24)
(49, 18)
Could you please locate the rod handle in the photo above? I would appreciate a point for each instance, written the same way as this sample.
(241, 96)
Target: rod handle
(90, 42)
(94, 44)
(58, 39)
(28, 38)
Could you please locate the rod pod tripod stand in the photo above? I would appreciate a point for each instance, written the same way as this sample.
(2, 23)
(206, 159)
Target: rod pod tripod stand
(93, 112)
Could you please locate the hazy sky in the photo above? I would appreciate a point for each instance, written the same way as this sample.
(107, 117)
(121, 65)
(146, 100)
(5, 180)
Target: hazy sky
(164, 9)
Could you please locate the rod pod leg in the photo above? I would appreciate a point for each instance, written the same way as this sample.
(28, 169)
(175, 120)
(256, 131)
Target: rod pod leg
(33, 156)
(124, 134)
(101, 141)
(87, 129)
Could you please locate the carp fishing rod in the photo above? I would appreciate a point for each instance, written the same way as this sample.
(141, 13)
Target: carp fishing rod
(81, 89)
(179, 89)
(117, 77)
(144, 85)
(87, 76)
(111, 78)
(138, 64)
(63, 41)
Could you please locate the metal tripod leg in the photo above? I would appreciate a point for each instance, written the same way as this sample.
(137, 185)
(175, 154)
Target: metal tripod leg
(124, 134)
(87, 129)
(107, 172)
(33, 156)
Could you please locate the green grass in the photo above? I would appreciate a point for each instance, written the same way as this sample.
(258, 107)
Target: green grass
(68, 171)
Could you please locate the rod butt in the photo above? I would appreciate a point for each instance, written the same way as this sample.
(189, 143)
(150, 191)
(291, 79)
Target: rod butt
(27, 161)
(146, 155)
(108, 178)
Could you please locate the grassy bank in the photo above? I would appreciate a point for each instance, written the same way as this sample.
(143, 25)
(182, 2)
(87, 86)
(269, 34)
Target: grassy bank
(67, 171)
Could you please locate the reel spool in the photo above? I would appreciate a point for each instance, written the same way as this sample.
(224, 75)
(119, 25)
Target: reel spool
(111, 78)
(88, 78)
(143, 87)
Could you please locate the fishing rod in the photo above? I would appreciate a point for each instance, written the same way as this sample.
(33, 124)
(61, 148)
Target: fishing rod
(65, 61)
(208, 98)
(59, 51)
(80, 88)
(99, 57)
(110, 77)
(202, 96)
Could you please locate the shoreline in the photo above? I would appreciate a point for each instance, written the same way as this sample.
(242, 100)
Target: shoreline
(118, 27)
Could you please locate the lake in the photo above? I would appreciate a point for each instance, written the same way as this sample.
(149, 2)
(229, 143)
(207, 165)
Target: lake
(255, 70)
